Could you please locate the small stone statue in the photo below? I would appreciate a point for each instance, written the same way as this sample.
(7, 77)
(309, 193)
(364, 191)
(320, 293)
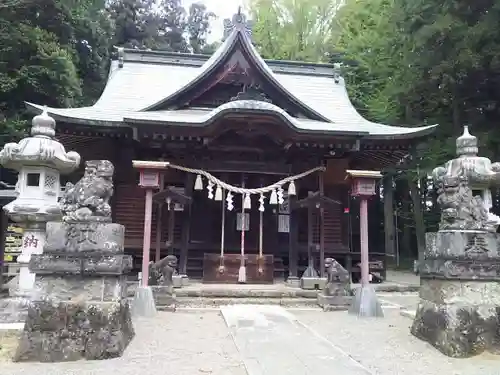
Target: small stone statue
(459, 208)
(88, 199)
(161, 272)
(337, 281)
(455, 181)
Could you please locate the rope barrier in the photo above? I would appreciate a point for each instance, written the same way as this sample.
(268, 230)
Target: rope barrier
(238, 190)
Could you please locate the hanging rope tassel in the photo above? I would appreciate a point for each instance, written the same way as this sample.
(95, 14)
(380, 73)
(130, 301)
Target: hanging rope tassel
(242, 273)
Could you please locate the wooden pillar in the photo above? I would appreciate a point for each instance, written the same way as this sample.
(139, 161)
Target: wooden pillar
(146, 244)
(363, 234)
(186, 225)
(293, 241)
(159, 211)
(171, 228)
(389, 228)
(159, 224)
(321, 182)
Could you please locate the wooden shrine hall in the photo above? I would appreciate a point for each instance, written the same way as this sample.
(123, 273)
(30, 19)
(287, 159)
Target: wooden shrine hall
(248, 123)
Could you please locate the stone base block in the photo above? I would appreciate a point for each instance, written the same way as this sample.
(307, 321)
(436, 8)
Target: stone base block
(312, 283)
(91, 288)
(459, 318)
(365, 303)
(334, 303)
(293, 282)
(143, 304)
(185, 280)
(177, 281)
(164, 297)
(68, 331)
(85, 237)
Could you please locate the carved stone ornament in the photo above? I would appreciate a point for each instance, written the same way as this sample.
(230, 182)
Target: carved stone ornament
(40, 149)
(455, 181)
(88, 199)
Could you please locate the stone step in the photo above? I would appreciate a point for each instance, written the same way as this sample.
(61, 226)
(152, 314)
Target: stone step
(221, 301)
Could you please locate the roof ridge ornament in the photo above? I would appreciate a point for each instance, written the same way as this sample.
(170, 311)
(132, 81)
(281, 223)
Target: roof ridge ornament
(239, 22)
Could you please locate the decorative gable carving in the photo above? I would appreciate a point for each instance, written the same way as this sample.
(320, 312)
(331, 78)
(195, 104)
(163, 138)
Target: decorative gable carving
(252, 92)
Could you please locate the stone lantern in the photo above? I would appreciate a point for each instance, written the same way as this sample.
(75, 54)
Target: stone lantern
(40, 160)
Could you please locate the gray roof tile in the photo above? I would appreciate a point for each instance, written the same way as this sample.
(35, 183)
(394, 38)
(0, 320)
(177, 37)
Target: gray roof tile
(143, 82)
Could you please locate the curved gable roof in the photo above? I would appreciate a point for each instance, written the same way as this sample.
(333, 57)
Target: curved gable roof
(238, 37)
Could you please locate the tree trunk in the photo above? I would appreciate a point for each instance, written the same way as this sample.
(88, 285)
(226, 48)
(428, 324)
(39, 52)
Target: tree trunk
(389, 230)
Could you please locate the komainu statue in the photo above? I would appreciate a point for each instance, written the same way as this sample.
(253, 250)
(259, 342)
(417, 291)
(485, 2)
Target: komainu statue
(455, 183)
(88, 199)
(337, 279)
(460, 209)
(161, 272)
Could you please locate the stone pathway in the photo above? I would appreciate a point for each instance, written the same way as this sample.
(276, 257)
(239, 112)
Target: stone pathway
(272, 341)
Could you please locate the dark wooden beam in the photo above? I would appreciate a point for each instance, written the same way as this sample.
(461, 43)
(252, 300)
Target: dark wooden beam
(175, 197)
(315, 200)
(186, 225)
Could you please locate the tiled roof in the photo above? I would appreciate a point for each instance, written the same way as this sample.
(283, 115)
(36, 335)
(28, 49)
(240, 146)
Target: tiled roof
(144, 79)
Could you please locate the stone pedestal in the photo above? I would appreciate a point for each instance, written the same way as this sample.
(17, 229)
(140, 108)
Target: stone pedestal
(164, 297)
(79, 308)
(334, 303)
(313, 283)
(459, 308)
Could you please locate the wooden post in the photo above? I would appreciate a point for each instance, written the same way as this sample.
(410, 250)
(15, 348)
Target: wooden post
(158, 232)
(171, 227)
(186, 226)
(146, 244)
(292, 241)
(389, 228)
(321, 182)
(363, 234)
(159, 224)
(310, 236)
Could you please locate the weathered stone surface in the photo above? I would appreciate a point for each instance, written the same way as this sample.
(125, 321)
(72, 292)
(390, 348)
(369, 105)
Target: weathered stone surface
(100, 288)
(84, 237)
(81, 264)
(164, 297)
(462, 245)
(68, 331)
(459, 306)
(334, 303)
(460, 270)
(458, 330)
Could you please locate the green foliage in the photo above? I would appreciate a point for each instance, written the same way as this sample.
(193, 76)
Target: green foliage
(293, 29)
(57, 52)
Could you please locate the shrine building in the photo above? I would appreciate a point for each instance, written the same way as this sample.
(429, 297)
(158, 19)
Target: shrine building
(249, 122)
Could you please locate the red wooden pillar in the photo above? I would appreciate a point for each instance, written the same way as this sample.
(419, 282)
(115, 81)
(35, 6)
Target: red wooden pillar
(363, 186)
(150, 180)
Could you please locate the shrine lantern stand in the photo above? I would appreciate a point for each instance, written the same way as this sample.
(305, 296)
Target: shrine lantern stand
(365, 302)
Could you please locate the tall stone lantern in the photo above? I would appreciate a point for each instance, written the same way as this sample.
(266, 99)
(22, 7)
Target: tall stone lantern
(40, 160)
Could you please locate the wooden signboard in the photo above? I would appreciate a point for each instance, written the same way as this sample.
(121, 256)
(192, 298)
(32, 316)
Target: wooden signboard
(363, 187)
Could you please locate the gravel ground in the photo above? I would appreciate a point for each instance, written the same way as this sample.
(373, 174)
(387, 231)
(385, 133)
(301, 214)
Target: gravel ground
(181, 343)
(386, 347)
